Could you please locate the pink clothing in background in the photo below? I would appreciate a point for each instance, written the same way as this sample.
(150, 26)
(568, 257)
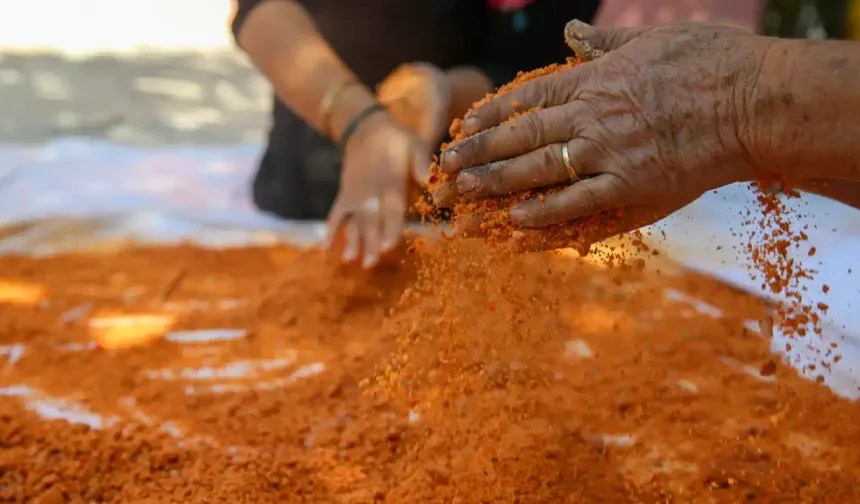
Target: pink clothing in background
(633, 13)
(508, 5)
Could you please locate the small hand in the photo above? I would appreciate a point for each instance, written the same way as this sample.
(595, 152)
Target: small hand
(371, 205)
(389, 155)
(649, 126)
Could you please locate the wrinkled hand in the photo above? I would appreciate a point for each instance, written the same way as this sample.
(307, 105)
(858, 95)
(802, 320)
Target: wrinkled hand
(651, 124)
(389, 154)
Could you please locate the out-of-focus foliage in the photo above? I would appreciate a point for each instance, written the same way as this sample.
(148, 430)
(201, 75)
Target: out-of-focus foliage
(810, 18)
(854, 20)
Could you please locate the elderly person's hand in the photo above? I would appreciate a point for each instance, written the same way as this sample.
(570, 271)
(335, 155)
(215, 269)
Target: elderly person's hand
(650, 125)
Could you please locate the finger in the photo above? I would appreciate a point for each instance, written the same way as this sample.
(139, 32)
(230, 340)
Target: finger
(584, 198)
(394, 212)
(543, 92)
(543, 167)
(368, 217)
(336, 219)
(352, 238)
(421, 162)
(518, 136)
(433, 125)
(589, 42)
(469, 226)
(445, 194)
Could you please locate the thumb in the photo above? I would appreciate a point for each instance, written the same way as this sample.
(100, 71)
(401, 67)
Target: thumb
(421, 161)
(590, 42)
(434, 124)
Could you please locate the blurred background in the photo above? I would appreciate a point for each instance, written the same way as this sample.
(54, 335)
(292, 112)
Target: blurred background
(812, 18)
(165, 71)
(120, 107)
(141, 120)
(153, 72)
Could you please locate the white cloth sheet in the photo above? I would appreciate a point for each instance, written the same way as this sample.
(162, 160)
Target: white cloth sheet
(94, 191)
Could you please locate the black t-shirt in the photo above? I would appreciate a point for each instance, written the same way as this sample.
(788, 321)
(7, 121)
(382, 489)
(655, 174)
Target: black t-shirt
(299, 173)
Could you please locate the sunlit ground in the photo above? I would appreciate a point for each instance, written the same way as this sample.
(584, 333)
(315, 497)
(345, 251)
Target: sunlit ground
(110, 330)
(90, 26)
(20, 293)
(139, 73)
(116, 331)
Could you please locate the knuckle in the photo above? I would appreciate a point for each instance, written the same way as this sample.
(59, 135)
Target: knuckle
(531, 129)
(467, 150)
(554, 94)
(549, 164)
(588, 197)
(482, 142)
(491, 113)
(575, 117)
(480, 118)
(563, 86)
(496, 180)
(529, 95)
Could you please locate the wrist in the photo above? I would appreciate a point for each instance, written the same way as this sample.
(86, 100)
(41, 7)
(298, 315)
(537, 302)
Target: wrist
(373, 118)
(351, 102)
(756, 104)
(801, 110)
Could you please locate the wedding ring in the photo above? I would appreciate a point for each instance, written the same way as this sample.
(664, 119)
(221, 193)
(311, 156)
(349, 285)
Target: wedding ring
(571, 171)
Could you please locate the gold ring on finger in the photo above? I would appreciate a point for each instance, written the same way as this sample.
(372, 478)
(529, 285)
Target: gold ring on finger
(571, 171)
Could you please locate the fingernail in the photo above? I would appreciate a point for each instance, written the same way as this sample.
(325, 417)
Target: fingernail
(518, 215)
(369, 261)
(388, 246)
(471, 125)
(579, 29)
(466, 182)
(450, 160)
(350, 254)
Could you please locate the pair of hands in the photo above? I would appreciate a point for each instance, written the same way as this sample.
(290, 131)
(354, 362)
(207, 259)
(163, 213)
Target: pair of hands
(659, 118)
(386, 162)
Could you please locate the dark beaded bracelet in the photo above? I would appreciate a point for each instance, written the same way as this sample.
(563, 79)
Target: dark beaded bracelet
(356, 121)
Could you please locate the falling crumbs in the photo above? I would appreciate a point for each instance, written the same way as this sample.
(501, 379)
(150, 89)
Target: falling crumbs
(458, 373)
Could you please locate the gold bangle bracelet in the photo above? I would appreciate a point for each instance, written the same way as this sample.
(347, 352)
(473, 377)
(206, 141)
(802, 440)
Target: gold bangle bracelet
(328, 101)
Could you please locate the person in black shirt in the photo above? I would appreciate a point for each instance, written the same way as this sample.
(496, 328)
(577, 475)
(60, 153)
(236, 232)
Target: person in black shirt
(333, 151)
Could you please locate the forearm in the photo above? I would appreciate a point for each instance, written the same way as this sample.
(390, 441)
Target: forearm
(839, 190)
(283, 42)
(468, 85)
(804, 121)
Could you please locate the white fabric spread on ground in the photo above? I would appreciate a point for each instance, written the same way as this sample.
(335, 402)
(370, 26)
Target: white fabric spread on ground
(96, 191)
